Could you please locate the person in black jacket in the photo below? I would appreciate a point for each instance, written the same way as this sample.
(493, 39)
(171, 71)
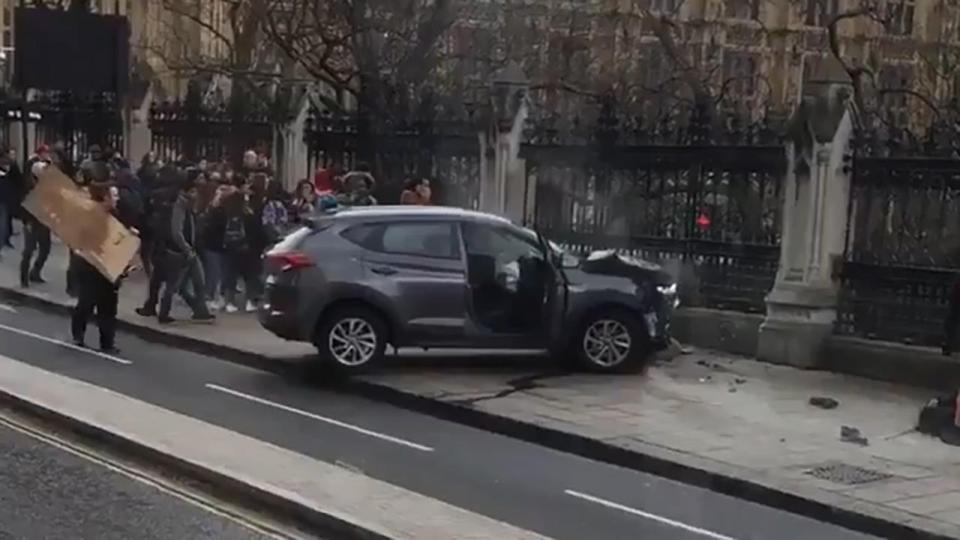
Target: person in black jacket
(11, 184)
(96, 293)
(181, 260)
(36, 235)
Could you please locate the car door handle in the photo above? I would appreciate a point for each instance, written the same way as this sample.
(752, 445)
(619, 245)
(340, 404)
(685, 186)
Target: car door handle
(383, 270)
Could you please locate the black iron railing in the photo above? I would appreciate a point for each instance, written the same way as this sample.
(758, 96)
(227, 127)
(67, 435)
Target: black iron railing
(903, 248)
(710, 213)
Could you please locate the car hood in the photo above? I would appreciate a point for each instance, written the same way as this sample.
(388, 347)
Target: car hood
(611, 263)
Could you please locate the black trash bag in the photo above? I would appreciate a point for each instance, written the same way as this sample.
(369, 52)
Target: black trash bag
(937, 417)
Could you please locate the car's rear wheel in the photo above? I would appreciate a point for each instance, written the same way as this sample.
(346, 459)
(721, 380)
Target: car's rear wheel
(611, 341)
(351, 340)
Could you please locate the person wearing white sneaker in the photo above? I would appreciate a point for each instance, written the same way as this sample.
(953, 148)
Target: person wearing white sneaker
(251, 307)
(230, 308)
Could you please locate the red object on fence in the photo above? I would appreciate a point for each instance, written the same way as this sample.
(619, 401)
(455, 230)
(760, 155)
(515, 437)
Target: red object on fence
(703, 222)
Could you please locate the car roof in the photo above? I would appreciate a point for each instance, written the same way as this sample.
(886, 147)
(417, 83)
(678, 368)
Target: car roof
(402, 211)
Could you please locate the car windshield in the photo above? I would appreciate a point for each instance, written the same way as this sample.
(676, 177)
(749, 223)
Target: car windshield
(554, 247)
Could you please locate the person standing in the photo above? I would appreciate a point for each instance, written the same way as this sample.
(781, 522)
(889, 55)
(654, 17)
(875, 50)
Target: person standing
(234, 219)
(9, 184)
(95, 292)
(276, 218)
(416, 192)
(36, 235)
(183, 261)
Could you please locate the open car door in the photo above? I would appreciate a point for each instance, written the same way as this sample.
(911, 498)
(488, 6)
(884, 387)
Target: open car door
(555, 299)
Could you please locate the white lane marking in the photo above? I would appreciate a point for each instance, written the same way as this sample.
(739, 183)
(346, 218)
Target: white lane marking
(91, 352)
(8, 308)
(331, 421)
(648, 515)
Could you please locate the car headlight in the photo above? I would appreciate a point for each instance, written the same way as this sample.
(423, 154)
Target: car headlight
(667, 290)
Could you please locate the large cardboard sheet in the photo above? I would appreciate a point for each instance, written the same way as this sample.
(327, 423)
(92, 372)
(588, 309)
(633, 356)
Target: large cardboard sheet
(82, 224)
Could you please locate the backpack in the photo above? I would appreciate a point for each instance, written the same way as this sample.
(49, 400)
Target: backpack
(235, 234)
(161, 212)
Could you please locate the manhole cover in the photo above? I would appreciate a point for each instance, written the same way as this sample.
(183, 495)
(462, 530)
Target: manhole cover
(850, 475)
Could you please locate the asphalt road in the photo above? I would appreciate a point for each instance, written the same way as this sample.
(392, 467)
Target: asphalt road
(556, 494)
(48, 492)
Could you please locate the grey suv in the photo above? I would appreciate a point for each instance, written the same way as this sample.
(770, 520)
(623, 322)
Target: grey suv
(357, 279)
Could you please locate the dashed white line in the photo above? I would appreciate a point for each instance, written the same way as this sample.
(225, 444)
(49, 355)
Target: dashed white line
(53, 341)
(319, 418)
(648, 515)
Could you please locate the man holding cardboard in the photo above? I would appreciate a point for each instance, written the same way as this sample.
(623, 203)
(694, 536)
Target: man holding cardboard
(96, 292)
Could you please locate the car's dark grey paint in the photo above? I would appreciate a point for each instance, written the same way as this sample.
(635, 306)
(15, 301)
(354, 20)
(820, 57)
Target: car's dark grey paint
(429, 300)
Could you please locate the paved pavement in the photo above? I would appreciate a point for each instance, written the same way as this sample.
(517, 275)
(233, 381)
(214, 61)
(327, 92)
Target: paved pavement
(48, 492)
(724, 414)
(551, 493)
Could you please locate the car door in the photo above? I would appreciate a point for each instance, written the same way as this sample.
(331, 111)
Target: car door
(418, 266)
(508, 279)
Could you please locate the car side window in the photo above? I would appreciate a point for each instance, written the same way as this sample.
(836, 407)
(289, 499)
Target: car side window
(423, 239)
(434, 239)
(499, 242)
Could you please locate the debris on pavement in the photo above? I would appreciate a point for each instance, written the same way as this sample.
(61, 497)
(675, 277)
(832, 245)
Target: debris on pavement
(824, 402)
(853, 435)
(739, 380)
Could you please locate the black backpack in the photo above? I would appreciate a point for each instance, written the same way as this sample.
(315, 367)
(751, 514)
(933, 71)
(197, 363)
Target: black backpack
(161, 213)
(235, 234)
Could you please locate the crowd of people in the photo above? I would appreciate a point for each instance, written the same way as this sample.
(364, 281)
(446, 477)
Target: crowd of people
(204, 226)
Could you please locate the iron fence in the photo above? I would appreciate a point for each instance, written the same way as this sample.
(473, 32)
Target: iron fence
(191, 131)
(77, 122)
(442, 148)
(903, 245)
(702, 199)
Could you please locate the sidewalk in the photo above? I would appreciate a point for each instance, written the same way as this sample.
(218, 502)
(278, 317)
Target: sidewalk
(735, 424)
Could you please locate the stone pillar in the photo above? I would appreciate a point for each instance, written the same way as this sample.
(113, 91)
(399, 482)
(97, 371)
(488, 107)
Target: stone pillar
(801, 307)
(290, 152)
(137, 137)
(502, 173)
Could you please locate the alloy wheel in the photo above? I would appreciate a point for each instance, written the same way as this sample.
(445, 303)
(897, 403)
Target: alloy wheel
(352, 342)
(607, 343)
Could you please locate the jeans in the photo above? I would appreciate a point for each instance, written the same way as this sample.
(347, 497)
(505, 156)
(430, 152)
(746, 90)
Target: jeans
(237, 266)
(178, 270)
(212, 272)
(36, 235)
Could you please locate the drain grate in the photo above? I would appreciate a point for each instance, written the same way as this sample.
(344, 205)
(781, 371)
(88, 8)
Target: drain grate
(850, 475)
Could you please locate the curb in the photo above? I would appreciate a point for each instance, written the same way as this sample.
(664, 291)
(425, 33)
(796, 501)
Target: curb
(226, 487)
(673, 469)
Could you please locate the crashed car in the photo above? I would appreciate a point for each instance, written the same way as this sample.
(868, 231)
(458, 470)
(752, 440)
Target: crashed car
(357, 279)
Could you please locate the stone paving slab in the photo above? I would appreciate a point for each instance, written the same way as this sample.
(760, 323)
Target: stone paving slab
(720, 413)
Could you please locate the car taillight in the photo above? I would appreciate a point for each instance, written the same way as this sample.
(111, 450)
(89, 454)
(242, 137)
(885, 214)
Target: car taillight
(290, 260)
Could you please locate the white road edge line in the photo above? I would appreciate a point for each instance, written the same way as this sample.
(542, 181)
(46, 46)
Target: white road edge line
(91, 352)
(648, 515)
(331, 421)
(8, 308)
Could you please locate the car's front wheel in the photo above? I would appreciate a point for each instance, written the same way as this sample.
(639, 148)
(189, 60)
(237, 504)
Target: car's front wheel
(611, 341)
(351, 340)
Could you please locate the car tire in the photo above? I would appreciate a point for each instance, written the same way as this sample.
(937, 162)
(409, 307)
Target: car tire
(351, 340)
(610, 341)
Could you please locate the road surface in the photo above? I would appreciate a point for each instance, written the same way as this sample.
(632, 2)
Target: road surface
(47, 491)
(558, 495)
